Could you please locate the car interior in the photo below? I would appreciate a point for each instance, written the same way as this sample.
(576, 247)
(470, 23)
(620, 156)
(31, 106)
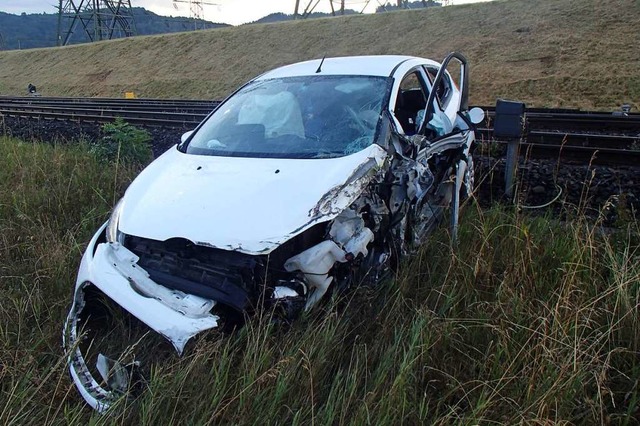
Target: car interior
(408, 105)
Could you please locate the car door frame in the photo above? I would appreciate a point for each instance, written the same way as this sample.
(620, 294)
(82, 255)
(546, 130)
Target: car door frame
(424, 83)
(399, 73)
(462, 103)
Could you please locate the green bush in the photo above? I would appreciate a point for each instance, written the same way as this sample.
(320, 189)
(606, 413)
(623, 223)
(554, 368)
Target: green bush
(123, 143)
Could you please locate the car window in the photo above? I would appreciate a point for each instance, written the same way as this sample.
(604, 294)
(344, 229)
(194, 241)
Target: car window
(410, 102)
(295, 117)
(444, 89)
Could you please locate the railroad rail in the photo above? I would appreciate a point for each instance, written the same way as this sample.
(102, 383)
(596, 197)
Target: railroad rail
(148, 112)
(604, 138)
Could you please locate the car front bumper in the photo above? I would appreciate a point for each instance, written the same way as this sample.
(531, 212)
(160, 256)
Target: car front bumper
(112, 269)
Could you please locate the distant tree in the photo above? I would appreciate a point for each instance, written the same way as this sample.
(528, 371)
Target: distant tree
(406, 4)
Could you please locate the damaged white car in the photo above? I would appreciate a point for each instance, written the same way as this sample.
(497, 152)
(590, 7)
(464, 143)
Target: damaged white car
(312, 177)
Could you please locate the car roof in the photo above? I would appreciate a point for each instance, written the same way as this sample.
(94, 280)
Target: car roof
(380, 65)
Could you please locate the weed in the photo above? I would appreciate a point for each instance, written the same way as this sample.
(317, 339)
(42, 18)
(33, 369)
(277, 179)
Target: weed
(123, 143)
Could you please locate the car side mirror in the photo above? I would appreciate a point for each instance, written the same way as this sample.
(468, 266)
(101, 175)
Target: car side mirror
(185, 136)
(476, 115)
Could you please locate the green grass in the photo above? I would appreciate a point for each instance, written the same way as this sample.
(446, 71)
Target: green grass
(527, 321)
(52, 198)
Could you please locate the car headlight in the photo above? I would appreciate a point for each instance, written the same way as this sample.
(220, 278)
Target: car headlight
(113, 234)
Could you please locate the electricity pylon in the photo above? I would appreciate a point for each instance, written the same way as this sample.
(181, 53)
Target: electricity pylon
(99, 19)
(196, 11)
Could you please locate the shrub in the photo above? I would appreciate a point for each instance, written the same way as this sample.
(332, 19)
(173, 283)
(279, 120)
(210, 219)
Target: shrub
(123, 142)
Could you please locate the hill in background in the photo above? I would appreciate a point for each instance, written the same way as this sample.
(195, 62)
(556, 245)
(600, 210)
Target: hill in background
(27, 31)
(580, 53)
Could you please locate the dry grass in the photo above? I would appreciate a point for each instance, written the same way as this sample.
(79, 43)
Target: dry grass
(527, 322)
(581, 53)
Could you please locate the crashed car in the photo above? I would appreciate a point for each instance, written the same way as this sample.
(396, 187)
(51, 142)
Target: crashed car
(309, 178)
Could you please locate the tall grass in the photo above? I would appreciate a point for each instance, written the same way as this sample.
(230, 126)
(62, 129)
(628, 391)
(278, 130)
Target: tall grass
(52, 198)
(527, 320)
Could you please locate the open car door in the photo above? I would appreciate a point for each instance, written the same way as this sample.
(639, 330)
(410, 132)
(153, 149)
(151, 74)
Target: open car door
(448, 131)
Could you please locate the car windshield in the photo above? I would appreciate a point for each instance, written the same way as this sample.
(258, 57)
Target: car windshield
(295, 117)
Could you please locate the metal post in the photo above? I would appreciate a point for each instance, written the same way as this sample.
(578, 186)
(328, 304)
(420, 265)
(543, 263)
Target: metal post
(59, 41)
(295, 11)
(511, 167)
(508, 125)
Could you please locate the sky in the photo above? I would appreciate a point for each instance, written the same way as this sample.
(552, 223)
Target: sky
(228, 11)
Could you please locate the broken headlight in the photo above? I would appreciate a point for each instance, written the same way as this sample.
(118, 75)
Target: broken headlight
(113, 234)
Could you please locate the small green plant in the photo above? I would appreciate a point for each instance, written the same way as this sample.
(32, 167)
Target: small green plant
(492, 149)
(123, 142)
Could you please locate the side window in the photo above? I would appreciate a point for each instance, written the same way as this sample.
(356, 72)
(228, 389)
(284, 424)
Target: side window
(410, 103)
(443, 91)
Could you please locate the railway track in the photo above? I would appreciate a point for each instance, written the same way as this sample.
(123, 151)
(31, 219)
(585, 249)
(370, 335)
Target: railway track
(148, 112)
(570, 134)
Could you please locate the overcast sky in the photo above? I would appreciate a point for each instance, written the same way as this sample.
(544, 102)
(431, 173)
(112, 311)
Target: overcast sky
(228, 11)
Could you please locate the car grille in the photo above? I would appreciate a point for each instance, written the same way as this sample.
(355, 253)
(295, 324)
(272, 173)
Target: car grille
(228, 277)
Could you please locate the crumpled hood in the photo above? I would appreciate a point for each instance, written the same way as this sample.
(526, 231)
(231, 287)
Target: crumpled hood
(247, 204)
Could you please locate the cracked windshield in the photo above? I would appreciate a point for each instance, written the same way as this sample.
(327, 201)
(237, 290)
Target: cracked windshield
(296, 117)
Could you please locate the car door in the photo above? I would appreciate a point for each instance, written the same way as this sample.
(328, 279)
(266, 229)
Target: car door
(448, 130)
(411, 100)
(447, 103)
(447, 93)
(450, 84)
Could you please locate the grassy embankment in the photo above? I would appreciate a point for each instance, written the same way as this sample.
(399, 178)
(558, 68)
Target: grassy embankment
(527, 321)
(579, 53)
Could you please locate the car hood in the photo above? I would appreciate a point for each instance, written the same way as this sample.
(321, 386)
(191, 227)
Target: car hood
(250, 205)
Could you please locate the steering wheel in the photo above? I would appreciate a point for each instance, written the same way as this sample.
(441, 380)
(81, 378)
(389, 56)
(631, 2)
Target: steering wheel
(363, 125)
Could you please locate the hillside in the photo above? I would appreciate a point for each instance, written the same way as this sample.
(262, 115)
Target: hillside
(579, 53)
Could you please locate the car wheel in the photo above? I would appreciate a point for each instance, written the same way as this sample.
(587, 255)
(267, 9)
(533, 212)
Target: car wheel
(468, 184)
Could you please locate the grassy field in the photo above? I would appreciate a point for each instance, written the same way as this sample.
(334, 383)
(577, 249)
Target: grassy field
(580, 53)
(527, 321)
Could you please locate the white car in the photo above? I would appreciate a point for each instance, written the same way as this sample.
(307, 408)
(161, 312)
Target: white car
(309, 178)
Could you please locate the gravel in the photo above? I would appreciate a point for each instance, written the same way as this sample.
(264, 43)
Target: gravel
(589, 189)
